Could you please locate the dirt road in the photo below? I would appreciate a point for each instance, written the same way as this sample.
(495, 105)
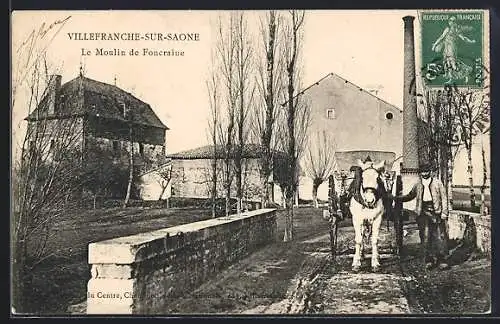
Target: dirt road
(301, 278)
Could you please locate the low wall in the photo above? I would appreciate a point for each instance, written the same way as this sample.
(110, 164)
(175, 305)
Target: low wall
(141, 274)
(479, 226)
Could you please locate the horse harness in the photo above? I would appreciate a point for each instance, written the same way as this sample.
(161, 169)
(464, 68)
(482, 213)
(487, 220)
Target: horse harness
(359, 198)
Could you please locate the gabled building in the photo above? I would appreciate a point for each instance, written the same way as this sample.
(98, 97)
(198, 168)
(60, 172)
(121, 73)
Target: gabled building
(358, 121)
(84, 114)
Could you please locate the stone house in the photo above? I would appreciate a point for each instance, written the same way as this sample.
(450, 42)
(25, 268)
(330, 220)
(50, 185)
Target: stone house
(191, 174)
(362, 124)
(358, 121)
(96, 119)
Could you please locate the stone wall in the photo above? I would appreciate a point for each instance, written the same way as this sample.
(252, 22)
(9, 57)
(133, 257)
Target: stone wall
(479, 226)
(141, 274)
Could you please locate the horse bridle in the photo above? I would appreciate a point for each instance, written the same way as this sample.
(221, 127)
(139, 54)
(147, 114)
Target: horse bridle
(363, 189)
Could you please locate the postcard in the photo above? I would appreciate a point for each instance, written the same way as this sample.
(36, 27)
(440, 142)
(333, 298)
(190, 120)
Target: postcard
(256, 162)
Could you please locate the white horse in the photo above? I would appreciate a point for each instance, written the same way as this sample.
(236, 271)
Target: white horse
(367, 209)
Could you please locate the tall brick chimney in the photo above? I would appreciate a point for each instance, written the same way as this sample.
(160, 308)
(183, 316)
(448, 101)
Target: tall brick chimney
(52, 89)
(410, 130)
(409, 171)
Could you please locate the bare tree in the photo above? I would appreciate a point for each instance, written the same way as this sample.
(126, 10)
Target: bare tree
(212, 87)
(44, 172)
(245, 92)
(226, 56)
(472, 110)
(319, 160)
(270, 86)
(128, 117)
(293, 34)
(164, 177)
(454, 117)
(485, 171)
(443, 142)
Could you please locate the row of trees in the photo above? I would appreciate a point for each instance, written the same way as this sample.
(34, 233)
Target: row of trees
(254, 97)
(456, 119)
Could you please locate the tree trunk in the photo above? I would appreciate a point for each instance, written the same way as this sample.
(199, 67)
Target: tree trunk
(316, 185)
(471, 180)
(269, 121)
(449, 186)
(264, 199)
(289, 218)
(239, 183)
(163, 188)
(283, 196)
(214, 186)
(131, 169)
(485, 177)
(228, 198)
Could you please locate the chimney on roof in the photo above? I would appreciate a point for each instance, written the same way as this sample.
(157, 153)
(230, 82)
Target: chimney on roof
(52, 90)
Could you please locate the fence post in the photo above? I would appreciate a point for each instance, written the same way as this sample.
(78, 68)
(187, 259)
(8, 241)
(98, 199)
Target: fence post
(332, 210)
(398, 216)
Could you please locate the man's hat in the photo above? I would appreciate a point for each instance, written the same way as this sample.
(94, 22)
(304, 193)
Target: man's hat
(354, 168)
(425, 167)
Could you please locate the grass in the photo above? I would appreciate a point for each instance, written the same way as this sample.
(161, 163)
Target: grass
(261, 278)
(61, 280)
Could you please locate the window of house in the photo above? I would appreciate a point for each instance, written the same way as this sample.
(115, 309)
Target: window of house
(123, 109)
(115, 146)
(330, 113)
(52, 144)
(389, 115)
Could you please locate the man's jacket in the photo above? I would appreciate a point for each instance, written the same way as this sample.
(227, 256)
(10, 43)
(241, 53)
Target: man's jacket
(438, 194)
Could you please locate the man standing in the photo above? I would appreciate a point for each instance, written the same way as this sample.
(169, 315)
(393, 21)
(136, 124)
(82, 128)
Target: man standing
(432, 212)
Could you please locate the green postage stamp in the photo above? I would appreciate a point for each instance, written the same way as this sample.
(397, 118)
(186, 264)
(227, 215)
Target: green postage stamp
(452, 48)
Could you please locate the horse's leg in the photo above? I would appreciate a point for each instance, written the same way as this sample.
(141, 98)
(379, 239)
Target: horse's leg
(358, 239)
(377, 222)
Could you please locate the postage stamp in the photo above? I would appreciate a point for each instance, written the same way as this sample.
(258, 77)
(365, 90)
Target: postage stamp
(452, 48)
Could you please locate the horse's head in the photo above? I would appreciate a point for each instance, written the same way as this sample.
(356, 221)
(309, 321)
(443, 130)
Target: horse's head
(370, 181)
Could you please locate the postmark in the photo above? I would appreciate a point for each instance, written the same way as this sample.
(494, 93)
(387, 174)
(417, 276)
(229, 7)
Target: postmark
(452, 48)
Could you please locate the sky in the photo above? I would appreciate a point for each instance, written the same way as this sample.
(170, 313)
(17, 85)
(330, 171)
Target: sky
(365, 47)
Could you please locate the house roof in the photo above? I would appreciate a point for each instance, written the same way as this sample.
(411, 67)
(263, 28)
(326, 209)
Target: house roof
(331, 74)
(163, 166)
(99, 99)
(207, 152)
